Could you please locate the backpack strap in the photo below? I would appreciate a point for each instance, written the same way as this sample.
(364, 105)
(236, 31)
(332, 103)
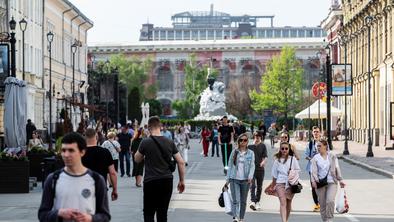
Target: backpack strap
(55, 177)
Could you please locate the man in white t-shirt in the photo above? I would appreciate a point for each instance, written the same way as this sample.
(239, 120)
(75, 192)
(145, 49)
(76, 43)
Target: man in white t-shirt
(74, 193)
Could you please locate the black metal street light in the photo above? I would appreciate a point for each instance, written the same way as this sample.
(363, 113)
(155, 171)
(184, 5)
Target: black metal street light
(23, 26)
(319, 55)
(12, 24)
(50, 40)
(74, 48)
(346, 146)
(328, 78)
(368, 21)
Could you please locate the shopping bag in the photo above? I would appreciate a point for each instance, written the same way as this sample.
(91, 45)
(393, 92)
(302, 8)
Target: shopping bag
(342, 205)
(227, 202)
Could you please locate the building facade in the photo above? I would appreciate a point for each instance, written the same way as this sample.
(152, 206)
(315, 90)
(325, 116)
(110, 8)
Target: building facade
(359, 33)
(69, 25)
(233, 59)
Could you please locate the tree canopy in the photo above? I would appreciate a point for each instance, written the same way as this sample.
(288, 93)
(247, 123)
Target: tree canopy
(281, 85)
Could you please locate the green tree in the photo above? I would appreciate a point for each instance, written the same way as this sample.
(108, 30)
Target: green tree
(195, 83)
(134, 74)
(280, 88)
(155, 108)
(134, 105)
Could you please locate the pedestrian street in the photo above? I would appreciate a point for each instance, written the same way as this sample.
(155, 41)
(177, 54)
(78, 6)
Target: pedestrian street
(370, 196)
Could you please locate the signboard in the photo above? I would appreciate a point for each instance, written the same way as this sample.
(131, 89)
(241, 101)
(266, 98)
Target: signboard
(341, 75)
(319, 89)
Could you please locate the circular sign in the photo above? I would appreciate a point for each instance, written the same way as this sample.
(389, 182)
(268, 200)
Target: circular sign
(319, 88)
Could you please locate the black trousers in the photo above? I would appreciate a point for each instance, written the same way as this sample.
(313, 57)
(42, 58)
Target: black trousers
(229, 148)
(157, 196)
(257, 186)
(116, 163)
(314, 194)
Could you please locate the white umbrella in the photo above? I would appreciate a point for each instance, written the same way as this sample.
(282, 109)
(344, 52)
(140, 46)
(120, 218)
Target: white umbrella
(313, 111)
(15, 112)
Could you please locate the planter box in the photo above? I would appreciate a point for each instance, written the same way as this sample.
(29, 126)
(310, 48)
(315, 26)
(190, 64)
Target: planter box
(14, 176)
(35, 168)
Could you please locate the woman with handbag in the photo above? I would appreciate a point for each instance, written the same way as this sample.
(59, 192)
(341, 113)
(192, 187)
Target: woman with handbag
(285, 137)
(182, 143)
(240, 175)
(138, 168)
(325, 176)
(280, 179)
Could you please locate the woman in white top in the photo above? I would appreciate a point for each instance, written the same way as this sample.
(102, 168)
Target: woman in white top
(280, 174)
(325, 167)
(181, 142)
(113, 146)
(35, 141)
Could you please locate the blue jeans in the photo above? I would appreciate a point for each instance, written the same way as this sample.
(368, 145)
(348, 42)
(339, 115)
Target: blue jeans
(122, 156)
(239, 193)
(215, 144)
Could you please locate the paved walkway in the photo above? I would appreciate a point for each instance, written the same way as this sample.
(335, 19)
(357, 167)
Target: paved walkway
(382, 162)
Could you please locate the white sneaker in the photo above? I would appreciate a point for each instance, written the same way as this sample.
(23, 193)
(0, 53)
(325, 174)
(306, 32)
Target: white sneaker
(252, 206)
(258, 206)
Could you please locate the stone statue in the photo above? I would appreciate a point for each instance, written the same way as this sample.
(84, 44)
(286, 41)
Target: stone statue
(145, 114)
(212, 102)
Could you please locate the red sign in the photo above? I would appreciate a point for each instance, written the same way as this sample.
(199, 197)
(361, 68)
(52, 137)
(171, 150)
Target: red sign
(316, 90)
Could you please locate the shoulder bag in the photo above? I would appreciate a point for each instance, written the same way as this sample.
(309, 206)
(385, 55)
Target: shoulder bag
(323, 182)
(171, 163)
(297, 186)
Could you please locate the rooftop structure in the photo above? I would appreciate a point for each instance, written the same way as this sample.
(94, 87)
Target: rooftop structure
(214, 25)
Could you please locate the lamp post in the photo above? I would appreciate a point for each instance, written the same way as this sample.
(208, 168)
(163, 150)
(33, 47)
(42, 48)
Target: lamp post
(346, 146)
(368, 21)
(23, 26)
(328, 78)
(12, 24)
(319, 55)
(106, 94)
(50, 40)
(74, 48)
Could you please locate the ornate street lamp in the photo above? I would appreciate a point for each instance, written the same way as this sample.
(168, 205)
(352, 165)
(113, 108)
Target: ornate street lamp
(346, 146)
(74, 48)
(12, 24)
(50, 40)
(328, 78)
(368, 21)
(23, 26)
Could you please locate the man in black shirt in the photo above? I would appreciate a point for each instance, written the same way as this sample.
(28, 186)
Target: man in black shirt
(226, 136)
(260, 154)
(124, 139)
(100, 160)
(158, 179)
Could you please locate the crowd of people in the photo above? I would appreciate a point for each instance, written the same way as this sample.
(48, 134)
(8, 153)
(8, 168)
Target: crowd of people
(154, 151)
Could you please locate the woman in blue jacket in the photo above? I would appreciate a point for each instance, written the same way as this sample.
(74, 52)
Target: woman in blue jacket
(240, 176)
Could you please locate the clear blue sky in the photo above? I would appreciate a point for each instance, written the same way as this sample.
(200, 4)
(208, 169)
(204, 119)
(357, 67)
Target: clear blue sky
(120, 20)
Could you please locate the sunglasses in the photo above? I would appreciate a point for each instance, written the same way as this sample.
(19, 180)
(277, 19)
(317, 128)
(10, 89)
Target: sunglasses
(284, 148)
(243, 140)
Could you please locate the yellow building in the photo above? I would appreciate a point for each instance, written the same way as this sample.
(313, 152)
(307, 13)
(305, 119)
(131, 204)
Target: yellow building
(69, 27)
(354, 35)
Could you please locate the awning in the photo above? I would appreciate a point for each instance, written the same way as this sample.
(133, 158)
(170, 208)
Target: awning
(313, 111)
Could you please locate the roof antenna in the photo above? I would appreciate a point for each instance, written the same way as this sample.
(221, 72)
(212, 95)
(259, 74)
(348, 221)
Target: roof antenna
(211, 12)
(147, 20)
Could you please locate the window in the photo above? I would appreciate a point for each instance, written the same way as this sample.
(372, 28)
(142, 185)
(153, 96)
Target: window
(285, 33)
(210, 34)
(178, 35)
(269, 33)
(170, 35)
(186, 35)
(195, 35)
(301, 33)
(278, 33)
(219, 34)
(203, 34)
(293, 33)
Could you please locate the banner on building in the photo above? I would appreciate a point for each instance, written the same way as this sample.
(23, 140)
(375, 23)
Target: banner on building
(341, 76)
